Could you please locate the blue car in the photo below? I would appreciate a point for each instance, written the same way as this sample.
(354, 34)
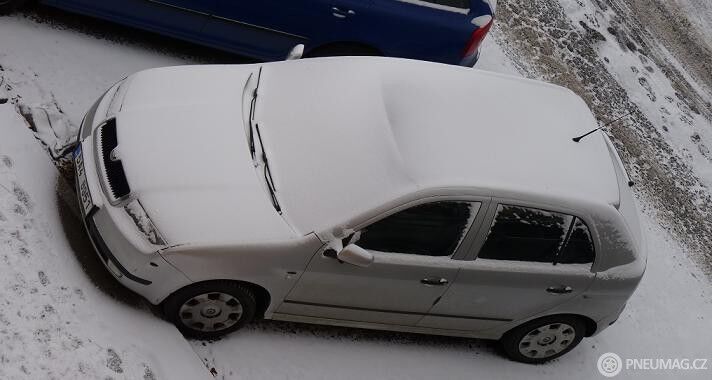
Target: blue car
(448, 31)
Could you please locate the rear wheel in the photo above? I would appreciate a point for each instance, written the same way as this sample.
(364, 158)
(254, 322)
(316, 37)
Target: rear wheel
(9, 6)
(543, 339)
(210, 309)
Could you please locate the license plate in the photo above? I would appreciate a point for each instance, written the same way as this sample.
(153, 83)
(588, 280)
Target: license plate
(82, 184)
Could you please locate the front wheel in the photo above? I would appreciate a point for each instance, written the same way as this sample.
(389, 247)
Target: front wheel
(210, 309)
(543, 339)
(9, 6)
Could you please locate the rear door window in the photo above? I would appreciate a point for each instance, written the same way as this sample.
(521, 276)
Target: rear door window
(525, 234)
(432, 229)
(528, 234)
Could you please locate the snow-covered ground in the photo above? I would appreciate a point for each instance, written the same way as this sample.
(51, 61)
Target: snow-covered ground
(55, 323)
(62, 316)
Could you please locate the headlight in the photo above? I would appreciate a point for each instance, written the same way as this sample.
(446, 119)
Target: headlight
(143, 222)
(90, 117)
(88, 121)
(117, 93)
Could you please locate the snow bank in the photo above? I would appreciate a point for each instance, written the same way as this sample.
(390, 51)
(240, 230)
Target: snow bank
(54, 322)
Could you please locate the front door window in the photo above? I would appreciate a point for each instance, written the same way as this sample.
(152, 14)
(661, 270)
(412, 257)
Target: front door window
(432, 229)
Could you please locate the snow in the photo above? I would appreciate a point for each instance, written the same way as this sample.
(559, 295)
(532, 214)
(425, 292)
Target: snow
(54, 322)
(143, 222)
(389, 141)
(699, 12)
(62, 316)
(198, 188)
(654, 93)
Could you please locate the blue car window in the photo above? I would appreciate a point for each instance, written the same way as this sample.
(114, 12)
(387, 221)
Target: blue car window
(462, 4)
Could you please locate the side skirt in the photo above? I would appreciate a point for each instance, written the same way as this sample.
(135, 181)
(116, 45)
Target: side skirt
(380, 326)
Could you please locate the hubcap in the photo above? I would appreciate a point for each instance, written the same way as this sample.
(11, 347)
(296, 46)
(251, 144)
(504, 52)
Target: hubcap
(213, 311)
(547, 340)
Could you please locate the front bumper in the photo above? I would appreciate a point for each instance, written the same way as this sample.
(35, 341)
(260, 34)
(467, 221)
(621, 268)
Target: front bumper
(109, 260)
(151, 277)
(109, 229)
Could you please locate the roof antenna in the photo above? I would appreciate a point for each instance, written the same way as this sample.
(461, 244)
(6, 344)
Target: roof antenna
(577, 139)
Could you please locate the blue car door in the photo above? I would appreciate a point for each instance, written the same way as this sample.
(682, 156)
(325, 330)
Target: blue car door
(268, 29)
(180, 18)
(343, 21)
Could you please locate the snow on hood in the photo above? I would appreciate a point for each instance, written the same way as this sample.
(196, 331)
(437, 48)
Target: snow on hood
(344, 136)
(183, 146)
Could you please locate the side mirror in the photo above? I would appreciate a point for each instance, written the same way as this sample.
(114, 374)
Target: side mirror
(296, 53)
(355, 255)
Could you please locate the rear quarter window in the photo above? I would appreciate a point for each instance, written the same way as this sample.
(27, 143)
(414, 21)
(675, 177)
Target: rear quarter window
(579, 247)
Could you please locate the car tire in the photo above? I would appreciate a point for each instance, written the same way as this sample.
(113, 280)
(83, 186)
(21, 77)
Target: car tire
(9, 6)
(341, 50)
(209, 310)
(543, 339)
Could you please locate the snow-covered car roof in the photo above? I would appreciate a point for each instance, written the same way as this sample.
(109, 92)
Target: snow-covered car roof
(345, 135)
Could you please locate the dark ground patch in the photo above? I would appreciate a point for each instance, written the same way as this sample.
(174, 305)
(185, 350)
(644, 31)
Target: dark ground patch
(113, 361)
(88, 258)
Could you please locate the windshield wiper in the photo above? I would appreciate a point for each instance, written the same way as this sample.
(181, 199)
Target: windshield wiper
(252, 113)
(254, 127)
(268, 173)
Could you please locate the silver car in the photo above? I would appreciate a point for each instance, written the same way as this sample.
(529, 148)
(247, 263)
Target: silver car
(365, 192)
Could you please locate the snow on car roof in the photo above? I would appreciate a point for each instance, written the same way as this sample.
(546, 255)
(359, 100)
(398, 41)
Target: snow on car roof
(348, 134)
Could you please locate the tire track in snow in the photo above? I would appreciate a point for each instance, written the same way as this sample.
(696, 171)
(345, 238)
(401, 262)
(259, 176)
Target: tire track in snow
(43, 115)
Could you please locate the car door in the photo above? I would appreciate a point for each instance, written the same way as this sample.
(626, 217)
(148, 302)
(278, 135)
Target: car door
(528, 261)
(343, 22)
(181, 18)
(411, 269)
(269, 29)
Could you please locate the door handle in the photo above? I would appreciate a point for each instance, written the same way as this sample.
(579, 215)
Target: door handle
(434, 281)
(563, 289)
(341, 13)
